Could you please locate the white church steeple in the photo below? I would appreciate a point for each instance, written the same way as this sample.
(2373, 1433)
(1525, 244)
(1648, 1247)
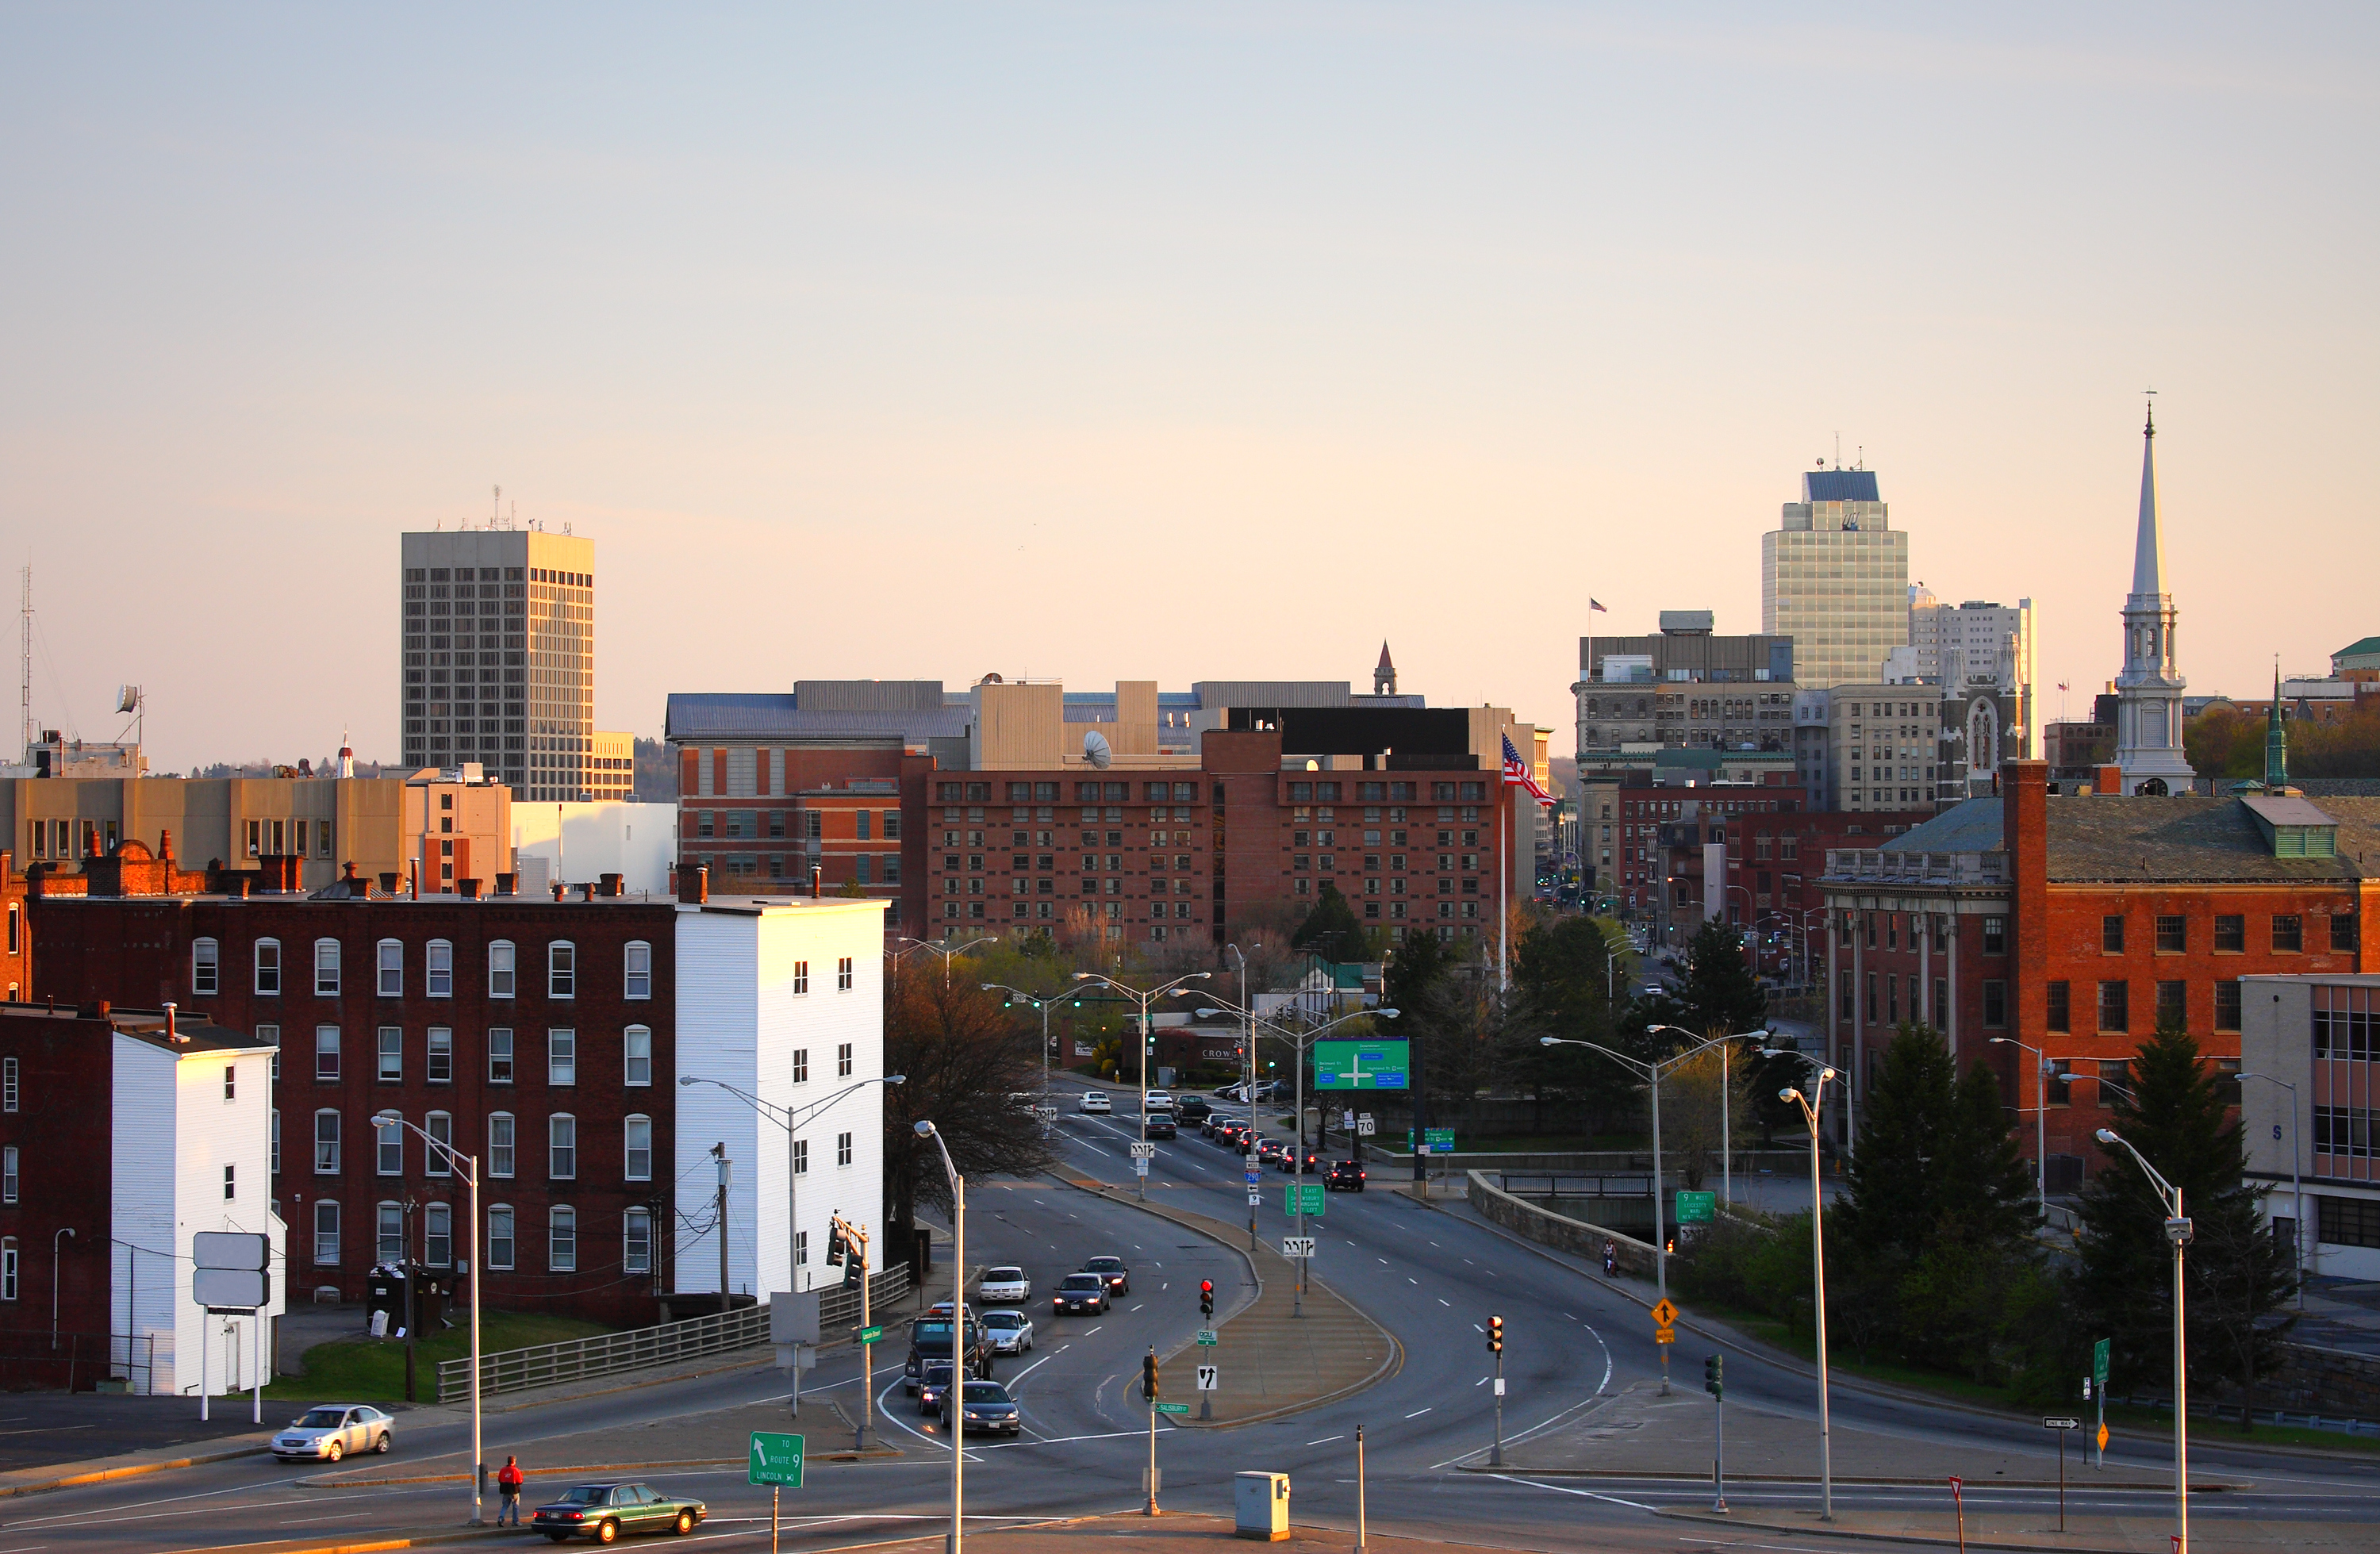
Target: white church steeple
(2148, 718)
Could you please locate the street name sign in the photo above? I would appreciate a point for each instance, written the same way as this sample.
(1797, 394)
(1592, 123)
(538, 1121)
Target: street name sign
(1297, 1246)
(775, 1459)
(1362, 1065)
(870, 1335)
(1697, 1208)
(1309, 1191)
(1210, 1378)
(1173, 1408)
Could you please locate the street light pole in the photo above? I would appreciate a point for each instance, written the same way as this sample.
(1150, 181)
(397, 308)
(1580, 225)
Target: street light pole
(958, 1337)
(1248, 1060)
(2177, 1231)
(2297, 1187)
(948, 954)
(469, 1166)
(1146, 1038)
(2040, 1120)
(1812, 1106)
(1043, 1005)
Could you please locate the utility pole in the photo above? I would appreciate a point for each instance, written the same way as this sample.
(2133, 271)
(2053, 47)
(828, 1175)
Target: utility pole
(726, 1171)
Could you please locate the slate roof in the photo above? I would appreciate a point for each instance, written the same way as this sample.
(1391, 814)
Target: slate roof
(2212, 839)
(1969, 826)
(2320, 788)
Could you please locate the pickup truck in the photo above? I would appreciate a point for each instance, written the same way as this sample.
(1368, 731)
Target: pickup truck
(930, 1341)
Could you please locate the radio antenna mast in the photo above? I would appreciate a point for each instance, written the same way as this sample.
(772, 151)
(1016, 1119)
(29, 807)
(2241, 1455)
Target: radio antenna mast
(25, 666)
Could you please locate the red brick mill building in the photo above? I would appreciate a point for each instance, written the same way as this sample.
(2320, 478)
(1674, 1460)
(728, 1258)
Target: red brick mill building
(2075, 924)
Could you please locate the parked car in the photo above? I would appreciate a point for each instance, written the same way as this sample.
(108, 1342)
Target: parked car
(1012, 1332)
(1004, 1284)
(329, 1431)
(986, 1405)
(1096, 1101)
(607, 1512)
(1345, 1176)
(1159, 1124)
(1118, 1277)
(1086, 1294)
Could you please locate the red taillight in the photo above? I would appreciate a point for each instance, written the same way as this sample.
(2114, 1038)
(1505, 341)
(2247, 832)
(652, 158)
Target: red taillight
(576, 1516)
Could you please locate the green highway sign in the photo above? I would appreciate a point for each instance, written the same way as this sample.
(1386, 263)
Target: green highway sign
(1312, 1192)
(1441, 1140)
(2099, 1362)
(1362, 1065)
(1207, 1338)
(1173, 1408)
(775, 1459)
(869, 1335)
(1697, 1208)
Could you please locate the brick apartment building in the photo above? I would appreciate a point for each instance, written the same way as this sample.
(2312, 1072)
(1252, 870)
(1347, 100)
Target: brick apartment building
(2076, 924)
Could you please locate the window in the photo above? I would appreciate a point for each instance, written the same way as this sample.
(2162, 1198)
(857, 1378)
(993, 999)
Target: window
(801, 1157)
(440, 1069)
(2227, 1005)
(562, 1241)
(7, 1268)
(500, 969)
(2173, 1003)
(561, 1147)
(1995, 936)
(438, 969)
(500, 1143)
(842, 1148)
(2111, 935)
(637, 1064)
(2115, 1006)
(392, 1054)
(801, 1065)
(206, 969)
(326, 968)
(801, 978)
(435, 1161)
(500, 1056)
(637, 1241)
(500, 1235)
(637, 978)
(1994, 1003)
(562, 969)
(9, 1084)
(561, 1057)
(276, 1141)
(2061, 1016)
(640, 1148)
(438, 1235)
(231, 1181)
(2289, 933)
(843, 1060)
(2173, 934)
(390, 1226)
(326, 1233)
(326, 1051)
(843, 974)
(326, 1143)
(388, 1144)
(392, 968)
(267, 967)
(2231, 933)
(2344, 940)
(9, 1174)
(2346, 1221)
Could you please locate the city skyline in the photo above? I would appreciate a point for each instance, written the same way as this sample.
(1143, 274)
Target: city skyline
(1075, 311)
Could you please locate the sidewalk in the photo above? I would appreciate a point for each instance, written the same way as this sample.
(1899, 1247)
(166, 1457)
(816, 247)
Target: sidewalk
(1271, 1363)
(2024, 1530)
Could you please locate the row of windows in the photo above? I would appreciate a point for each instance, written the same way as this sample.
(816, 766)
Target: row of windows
(438, 1054)
(1085, 793)
(437, 968)
(435, 1244)
(753, 823)
(1995, 933)
(503, 1145)
(2287, 935)
(2115, 1004)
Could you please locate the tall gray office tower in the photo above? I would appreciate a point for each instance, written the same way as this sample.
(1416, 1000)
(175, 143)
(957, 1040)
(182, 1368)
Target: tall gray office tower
(499, 657)
(1834, 577)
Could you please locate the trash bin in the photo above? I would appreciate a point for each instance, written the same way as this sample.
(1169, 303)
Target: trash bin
(1260, 1505)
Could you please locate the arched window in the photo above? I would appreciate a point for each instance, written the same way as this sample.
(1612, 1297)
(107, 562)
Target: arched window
(562, 969)
(326, 1233)
(438, 969)
(267, 967)
(561, 1147)
(500, 968)
(440, 1126)
(639, 1149)
(500, 1235)
(392, 968)
(438, 1235)
(636, 1057)
(16, 927)
(562, 1240)
(636, 975)
(501, 1138)
(206, 967)
(326, 1142)
(326, 968)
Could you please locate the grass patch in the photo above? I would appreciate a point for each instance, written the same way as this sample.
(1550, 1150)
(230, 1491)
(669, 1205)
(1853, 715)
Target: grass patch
(373, 1370)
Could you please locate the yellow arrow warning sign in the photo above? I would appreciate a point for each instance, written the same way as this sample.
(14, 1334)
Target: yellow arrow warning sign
(1665, 1311)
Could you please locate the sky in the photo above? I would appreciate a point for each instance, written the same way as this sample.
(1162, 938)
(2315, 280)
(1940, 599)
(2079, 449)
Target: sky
(1161, 341)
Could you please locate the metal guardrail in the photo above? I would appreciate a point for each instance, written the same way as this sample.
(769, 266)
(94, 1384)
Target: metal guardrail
(543, 1365)
(1547, 1184)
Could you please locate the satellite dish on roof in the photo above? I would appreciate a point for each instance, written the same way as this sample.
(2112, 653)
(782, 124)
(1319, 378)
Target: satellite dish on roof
(1096, 751)
(128, 698)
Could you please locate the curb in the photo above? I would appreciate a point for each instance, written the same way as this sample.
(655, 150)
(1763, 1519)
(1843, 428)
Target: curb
(129, 1470)
(1716, 1519)
(580, 1470)
(1615, 1476)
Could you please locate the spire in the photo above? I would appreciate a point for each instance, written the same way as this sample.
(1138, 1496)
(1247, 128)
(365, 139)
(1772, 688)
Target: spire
(1384, 676)
(2276, 741)
(2148, 552)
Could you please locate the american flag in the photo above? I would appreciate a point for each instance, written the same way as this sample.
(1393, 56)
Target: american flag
(1596, 605)
(1516, 773)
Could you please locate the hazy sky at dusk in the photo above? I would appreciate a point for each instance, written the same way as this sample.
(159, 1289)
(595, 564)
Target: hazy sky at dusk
(1184, 342)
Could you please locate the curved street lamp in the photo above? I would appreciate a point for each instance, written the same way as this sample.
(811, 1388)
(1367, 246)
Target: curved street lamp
(468, 1166)
(2177, 1231)
(948, 954)
(952, 1544)
(1048, 1113)
(1144, 998)
(1811, 1105)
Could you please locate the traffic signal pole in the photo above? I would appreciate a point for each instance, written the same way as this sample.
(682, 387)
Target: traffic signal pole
(1714, 1382)
(1148, 1393)
(1496, 1347)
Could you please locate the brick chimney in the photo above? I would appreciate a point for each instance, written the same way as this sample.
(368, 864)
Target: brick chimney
(2107, 782)
(693, 884)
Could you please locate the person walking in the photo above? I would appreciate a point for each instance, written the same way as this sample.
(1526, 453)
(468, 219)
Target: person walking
(508, 1491)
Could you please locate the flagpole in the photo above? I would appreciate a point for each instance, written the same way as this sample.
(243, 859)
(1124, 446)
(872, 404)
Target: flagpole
(1503, 878)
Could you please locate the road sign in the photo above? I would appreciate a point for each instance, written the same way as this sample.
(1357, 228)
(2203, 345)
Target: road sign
(1140, 1167)
(2103, 1437)
(1207, 1338)
(775, 1459)
(230, 1271)
(2099, 1362)
(1311, 1192)
(1210, 1378)
(1144, 1151)
(1297, 1246)
(1253, 1177)
(1697, 1208)
(1665, 1311)
(2061, 1423)
(1361, 1065)
(1364, 1127)
(1665, 1335)
(1255, 1198)
(1173, 1408)
(870, 1335)
(1439, 1140)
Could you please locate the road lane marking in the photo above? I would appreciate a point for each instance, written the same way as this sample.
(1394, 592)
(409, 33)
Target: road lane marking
(1326, 1440)
(1419, 1411)
(1562, 1490)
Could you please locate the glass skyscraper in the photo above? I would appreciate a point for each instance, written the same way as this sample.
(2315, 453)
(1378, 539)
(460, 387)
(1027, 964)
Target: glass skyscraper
(1834, 577)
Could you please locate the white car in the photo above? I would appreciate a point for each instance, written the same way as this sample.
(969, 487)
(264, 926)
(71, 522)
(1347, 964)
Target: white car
(1003, 1285)
(1011, 1331)
(1160, 1100)
(1096, 1101)
(329, 1431)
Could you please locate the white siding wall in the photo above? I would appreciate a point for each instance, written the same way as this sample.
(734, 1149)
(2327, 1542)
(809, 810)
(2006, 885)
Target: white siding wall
(150, 1283)
(717, 1012)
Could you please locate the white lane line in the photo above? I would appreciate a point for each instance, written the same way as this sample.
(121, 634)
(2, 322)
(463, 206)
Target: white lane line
(1419, 1411)
(1563, 1489)
(1412, 1280)
(1569, 1317)
(1029, 1369)
(1481, 1382)
(1477, 1329)
(1095, 1330)
(1444, 1302)
(1326, 1440)
(1136, 1306)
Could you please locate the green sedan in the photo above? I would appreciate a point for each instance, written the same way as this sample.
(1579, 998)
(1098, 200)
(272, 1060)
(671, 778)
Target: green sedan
(606, 1511)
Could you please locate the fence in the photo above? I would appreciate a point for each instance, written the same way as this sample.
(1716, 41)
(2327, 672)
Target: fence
(1534, 1184)
(542, 1365)
(35, 1362)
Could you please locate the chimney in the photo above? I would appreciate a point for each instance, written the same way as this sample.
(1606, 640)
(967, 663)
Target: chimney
(166, 845)
(468, 887)
(558, 887)
(612, 884)
(171, 1033)
(239, 886)
(586, 892)
(693, 884)
(507, 883)
(2107, 781)
(818, 877)
(387, 879)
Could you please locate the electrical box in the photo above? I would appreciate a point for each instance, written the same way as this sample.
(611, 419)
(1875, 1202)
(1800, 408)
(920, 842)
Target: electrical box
(1260, 1506)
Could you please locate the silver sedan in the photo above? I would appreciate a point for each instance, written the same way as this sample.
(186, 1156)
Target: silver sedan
(329, 1431)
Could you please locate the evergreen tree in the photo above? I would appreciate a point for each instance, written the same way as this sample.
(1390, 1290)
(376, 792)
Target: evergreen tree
(1718, 993)
(1564, 978)
(1330, 930)
(1987, 1189)
(1896, 1174)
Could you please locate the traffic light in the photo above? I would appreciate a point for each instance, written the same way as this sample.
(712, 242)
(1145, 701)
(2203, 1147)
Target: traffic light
(1205, 1297)
(1712, 1379)
(1494, 1335)
(1148, 1375)
(834, 1246)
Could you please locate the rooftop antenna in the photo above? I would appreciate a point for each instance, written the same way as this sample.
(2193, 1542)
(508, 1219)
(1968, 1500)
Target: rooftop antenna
(1839, 450)
(1861, 453)
(499, 508)
(24, 664)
